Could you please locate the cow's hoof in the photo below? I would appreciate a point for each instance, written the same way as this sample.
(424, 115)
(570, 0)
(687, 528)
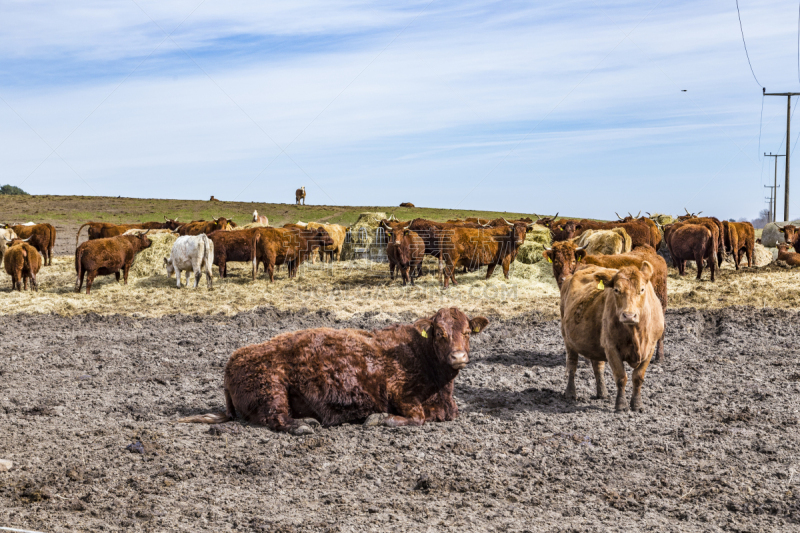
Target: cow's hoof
(600, 397)
(301, 429)
(375, 419)
(637, 406)
(311, 422)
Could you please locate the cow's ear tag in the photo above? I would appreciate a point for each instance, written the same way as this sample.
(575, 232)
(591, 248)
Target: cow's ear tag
(549, 259)
(600, 285)
(424, 333)
(476, 330)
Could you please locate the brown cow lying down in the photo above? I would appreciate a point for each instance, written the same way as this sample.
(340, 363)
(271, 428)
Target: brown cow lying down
(611, 315)
(790, 258)
(338, 376)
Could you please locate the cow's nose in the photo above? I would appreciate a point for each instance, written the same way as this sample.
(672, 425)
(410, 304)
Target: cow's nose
(459, 360)
(631, 318)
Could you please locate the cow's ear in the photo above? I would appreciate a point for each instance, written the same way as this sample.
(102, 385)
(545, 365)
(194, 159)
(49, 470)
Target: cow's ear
(647, 270)
(604, 279)
(477, 324)
(424, 326)
(579, 255)
(547, 254)
(578, 226)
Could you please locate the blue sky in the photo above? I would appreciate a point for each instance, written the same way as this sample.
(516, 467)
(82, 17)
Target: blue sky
(518, 106)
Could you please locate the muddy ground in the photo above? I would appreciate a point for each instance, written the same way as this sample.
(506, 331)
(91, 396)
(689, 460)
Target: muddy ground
(716, 448)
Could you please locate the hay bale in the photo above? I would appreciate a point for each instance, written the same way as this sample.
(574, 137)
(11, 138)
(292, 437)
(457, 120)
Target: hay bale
(771, 237)
(761, 256)
(536, 241)
(150, 261)
(250, 225)
(362, 237)
(662, 220)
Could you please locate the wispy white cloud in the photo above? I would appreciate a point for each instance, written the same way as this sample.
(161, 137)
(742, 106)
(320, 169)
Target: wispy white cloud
(531, 105)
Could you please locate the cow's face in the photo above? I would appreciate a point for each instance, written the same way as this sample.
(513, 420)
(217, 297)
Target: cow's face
(171, 224)
(518, 232)
(449, 331)
(790, 232)
(169, 267)
(628, 286)
(568, 229)
(565, 257)
(783, 247)
(144, 240)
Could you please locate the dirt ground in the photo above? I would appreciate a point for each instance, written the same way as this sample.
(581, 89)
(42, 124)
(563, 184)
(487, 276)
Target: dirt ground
(716, 448)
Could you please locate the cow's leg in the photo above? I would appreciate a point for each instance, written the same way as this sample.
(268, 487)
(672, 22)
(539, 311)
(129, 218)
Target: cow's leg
(116, 275)
(178, 277)
(698, 259)
(749, 257)
(270, 267)
(274, 412)
(391, 269)
(506, 266)
(713, 269)
(620, 377)
(660, 350)
(637, 376)
(411, 414)
(572, 366)
(89, 279)
(25, 282)
(80, 281)
(490, 271)
(599, 367)
(199, 274)
(406, 275)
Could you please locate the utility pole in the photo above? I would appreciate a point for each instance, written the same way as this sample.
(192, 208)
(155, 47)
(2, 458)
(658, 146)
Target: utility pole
(774, 205)
(788, 141)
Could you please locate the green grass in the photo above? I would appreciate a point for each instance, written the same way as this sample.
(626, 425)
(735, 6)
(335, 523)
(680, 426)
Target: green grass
(80, 209)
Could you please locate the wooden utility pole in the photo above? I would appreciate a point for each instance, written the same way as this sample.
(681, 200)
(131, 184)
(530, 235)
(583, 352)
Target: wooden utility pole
(788, 141)
(773, 206)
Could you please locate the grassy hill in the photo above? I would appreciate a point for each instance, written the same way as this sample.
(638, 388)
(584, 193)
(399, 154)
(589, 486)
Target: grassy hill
(75, 210)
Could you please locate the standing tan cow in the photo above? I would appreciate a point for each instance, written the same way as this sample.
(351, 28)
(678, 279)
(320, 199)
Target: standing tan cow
(611, 315)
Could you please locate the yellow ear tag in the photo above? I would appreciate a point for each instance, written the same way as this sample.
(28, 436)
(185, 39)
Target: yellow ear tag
(476, 330)
(549, 260)
(600, 285)
(424, 333)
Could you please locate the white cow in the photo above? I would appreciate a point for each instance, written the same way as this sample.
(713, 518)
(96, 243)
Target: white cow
(195, 252)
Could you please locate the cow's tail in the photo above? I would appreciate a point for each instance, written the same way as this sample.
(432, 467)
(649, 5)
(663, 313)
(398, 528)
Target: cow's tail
(210, 418)
(77, 236)
(78, 267)
(208, 256)
(254, 258)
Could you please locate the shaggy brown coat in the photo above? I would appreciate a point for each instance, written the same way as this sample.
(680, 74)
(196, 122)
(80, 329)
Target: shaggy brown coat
(791, 258)
(405, 251)
(196, 227)
(611, 315)
(274, 247)
(731, 241)
(337, 376)
(22, 262)
(106, 230)
(41, 236)
(237, 246)
(692, 242)
(107, 256)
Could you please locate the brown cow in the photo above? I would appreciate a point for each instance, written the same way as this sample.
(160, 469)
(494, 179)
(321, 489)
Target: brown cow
(560, 230)
(474, 248)
(638, 230)
(22, 262)
(106, 230)
(404, 372)
(405, 251)
(717, 230)
(300, 195)
(107, 256)
(731, 241)
(611, 315)
(691, 242)
(567, 258)
(274, 247)
(40, 236)
(655, 233)
(407, 204)
(196, 227)
(746, 236)
(790, 258)
(307, 240)
(792, 235)
(234, 246)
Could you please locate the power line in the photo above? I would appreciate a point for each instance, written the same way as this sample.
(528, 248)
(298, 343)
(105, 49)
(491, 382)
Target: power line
(745, 45)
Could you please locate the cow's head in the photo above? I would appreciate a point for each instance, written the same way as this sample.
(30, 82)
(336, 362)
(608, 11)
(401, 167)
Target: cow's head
(171, 223)
(15, 241)
(220, 223)
(628, 286)
(564, 231)
(783, 247)
(516, 231)
(565, 257)
(790, 232)
(448, 331)
(168, 265)
(144, 240)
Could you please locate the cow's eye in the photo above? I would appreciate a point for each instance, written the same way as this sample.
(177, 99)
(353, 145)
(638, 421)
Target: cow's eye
(466, 333)
(642, 290)
(616, 290)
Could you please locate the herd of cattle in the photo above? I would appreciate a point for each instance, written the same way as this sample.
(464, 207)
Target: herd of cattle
(612, 277)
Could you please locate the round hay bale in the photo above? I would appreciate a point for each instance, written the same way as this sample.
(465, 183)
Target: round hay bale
(761, 256)
(250, 225)
(771, 237)
(536, 241)
(662, 220)
(362, 242)
(150, 261)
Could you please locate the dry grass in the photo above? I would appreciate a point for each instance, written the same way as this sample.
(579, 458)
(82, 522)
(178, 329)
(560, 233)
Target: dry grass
(349, 287)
